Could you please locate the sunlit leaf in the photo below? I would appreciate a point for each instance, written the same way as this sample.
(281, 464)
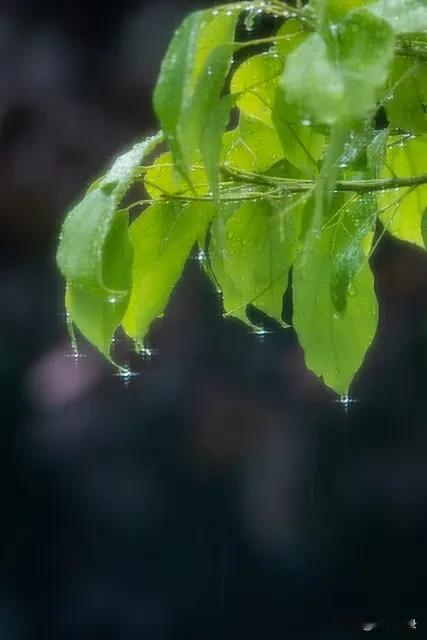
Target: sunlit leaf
(191, 80)
(162, 238)
(402, 210)
(162, 178)
(254, 82)
(252, 146)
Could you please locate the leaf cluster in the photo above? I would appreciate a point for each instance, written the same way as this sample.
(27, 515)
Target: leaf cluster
(282, 159)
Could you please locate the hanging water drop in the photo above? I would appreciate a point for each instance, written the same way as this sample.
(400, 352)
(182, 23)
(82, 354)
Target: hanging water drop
(126, 375)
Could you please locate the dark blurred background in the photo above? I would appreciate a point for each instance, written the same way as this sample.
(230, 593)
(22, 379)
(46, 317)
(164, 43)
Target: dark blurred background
(223, 493)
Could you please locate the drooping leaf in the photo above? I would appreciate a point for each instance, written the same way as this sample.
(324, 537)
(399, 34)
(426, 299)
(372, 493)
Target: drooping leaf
(405, 16)
(162, 238)
(334, 343)
(211, 140)
(85, 229)
(97, 311)
(353, 228)
(339, 80)
(261, 243)
(407, 104)
(233, 302)
(251, 250)
(302, 145)
(191, 80)
(402, 211)
(95, 255)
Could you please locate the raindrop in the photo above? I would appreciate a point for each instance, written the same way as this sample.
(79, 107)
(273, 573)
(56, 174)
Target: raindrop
(112, 299)
(75, 354)
(412, 624)
(126, 375)
(369, 626)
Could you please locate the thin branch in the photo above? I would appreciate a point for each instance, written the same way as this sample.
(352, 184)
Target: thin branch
(297, 185)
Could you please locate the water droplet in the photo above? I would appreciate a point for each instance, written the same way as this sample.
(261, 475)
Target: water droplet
(126, 375)
(412, 624)
(112, 299)
(369, 626)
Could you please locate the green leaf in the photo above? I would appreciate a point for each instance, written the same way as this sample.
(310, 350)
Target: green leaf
(97, 311)
(340, 80)
(424, 228)
(234, 304)
(86, 228)
(252, 146)
(95, 254)
(251, 251)
(211, 140)
(312, 82)
(402, 212)
(162, 178)
(302, 145)
(254, 83)
(353, 229)
(191, 80)
(162, 238)
(405, 16)
(334, 343)
(406, 108)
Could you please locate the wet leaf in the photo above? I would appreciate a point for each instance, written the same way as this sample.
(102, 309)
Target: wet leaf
(252, 146)
(259, 247)
(334, 343)
(353, 227)
(95, 254)
(407, 106)
(254, 83)
(97, 311)
(162, 178)
(162, 238)
(405, 16)
(340, 79)
(302, 145)
(402, 209)
(191, 80)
